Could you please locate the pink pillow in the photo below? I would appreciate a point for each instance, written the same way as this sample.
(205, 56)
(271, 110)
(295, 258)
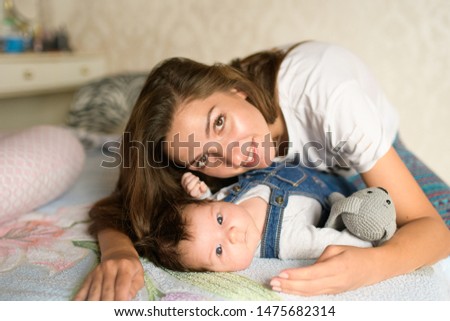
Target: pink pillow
(36, 166)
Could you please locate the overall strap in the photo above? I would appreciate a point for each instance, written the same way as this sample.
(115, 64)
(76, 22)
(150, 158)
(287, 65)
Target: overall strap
(270, 241)
(285, 180)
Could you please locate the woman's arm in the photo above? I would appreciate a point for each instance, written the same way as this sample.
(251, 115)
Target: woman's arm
(422, 239)
(120, 274)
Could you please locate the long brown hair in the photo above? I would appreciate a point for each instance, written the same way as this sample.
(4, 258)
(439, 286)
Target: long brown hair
(150, 182)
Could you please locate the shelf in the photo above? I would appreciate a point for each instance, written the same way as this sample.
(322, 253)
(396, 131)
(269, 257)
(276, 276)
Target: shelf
(35, 73)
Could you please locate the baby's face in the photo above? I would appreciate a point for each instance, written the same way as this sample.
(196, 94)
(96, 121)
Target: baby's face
(224, 237)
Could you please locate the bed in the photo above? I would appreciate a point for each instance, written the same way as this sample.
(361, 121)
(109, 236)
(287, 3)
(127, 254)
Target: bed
(46, 252)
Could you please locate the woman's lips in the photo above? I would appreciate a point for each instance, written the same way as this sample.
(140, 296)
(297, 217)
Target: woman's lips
(252, 157)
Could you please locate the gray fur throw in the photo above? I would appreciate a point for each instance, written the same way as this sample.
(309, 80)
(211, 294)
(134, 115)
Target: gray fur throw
(103, 106)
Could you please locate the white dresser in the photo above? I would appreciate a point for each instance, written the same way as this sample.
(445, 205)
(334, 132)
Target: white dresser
(36, 73)
(38, 88)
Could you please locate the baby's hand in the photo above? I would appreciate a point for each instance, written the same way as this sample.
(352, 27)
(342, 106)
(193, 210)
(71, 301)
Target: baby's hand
(194, 186)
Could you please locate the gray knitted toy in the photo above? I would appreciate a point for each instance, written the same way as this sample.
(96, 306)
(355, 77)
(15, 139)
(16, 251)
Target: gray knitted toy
(368, 214)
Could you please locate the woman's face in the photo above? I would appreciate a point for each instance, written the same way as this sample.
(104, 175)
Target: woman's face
(221, 136)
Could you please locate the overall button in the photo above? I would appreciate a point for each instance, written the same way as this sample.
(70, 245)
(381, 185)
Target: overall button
(279, 200)
(236, 188)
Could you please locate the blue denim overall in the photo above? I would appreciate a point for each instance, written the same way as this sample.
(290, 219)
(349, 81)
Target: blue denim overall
(285, 179)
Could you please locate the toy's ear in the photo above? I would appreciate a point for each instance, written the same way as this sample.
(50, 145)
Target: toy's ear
(334, 197)
(347, 205)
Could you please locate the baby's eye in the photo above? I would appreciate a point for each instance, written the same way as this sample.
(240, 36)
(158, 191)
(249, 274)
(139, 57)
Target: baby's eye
(219, 250)
(219, 122)
(219, 219)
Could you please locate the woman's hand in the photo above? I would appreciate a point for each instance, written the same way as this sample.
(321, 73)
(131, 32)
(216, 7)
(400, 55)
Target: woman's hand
(194, 186)
(422, 238)
(338, 269)
(119, 277)
(120, 274)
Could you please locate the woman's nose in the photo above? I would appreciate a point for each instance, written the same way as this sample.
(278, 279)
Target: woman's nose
(236, 153)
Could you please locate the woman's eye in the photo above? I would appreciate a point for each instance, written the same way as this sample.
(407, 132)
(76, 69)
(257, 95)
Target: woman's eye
(201, 162)
(219, 219)
(219, 250)
(220, 121)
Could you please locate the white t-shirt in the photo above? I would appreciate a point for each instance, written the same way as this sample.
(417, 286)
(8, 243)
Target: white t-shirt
(299, 236)
(329, 100)
(329, 97)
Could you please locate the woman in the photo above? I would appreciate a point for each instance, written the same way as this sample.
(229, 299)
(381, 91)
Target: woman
(312, 100)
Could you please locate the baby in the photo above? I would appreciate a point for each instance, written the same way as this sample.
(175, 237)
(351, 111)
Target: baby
(276, 212)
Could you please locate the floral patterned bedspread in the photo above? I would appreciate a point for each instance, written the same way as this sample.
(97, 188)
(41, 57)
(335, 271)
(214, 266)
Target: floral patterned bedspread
(46, 254)
(43, 257)
(46, 257)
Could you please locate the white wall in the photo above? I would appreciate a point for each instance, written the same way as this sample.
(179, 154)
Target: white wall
(405, 42)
